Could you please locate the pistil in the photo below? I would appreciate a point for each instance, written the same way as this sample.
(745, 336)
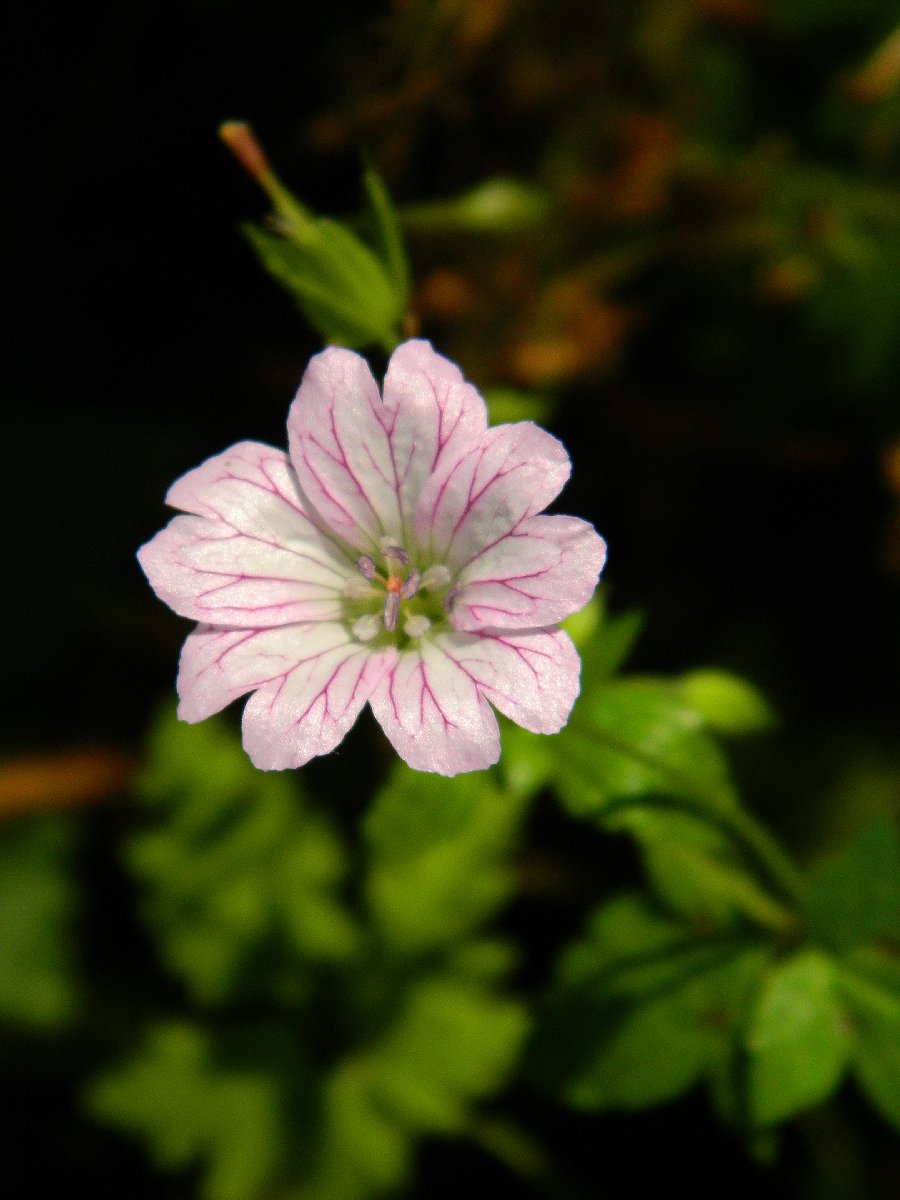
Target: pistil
(398, 585)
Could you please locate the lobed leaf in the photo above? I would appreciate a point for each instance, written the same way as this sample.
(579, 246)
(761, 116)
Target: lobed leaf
(198, 1101)
(241, 878)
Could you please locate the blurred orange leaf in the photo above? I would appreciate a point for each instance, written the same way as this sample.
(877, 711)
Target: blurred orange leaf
(71, 778)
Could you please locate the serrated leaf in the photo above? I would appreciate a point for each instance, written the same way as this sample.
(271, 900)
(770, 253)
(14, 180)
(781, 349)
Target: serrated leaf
(854, 898)
(799, 1040)
(727, 703)
(240, 876)
(36, 899)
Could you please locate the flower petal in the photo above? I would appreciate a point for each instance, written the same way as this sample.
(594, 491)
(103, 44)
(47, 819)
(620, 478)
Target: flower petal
(472, 501)
(252, 557)
(533, 678)
(540, 572)
(311, 680)
(436, 416)
(363, 461)
(434, 715)
(339, 434)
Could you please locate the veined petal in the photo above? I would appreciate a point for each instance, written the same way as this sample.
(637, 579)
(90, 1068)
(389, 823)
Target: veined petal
(252, 558)
(533, 678)
(224, 487)
(208, 571)
(512, 473)
(540, 572)
(340, 442)
(311, 682)
(435, 417)
(434, 714)
(363, 460)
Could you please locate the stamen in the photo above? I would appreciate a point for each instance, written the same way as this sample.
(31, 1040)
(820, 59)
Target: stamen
(366, 627)
(410, 585)
(391, 610)
(366, 566)
(397, 553)
(451, 598)
(416, 624)
(435, 578)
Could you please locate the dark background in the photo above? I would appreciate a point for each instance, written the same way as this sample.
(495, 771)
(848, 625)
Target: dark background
(734, 447)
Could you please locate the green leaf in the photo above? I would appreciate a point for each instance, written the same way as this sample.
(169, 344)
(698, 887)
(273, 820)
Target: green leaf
(873, 997)
(876, 1064)
(712, 888)
(241, 878)
(440, 857)
(799, 1039)
(453, 1043)
(36, 900)
(197, 1102)
(338, 283)
(509, 405)
(632, 738)
(450, 1045)
(389, 235)
(727, 703)
(528, 762)
(643, 1010)
(496, 206)
(854, 897)
(362, 1151)
(606, 642)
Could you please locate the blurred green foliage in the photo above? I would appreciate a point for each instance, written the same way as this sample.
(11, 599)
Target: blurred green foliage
(386, 1016)
(366, 1011)
(38, 986)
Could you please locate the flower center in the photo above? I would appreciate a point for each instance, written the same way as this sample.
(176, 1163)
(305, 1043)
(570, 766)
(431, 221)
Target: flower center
(406, 596)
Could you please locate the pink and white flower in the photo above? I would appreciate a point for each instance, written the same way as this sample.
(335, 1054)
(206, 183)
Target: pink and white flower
(395, 555)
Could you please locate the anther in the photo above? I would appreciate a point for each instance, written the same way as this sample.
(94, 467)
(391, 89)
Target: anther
(451, 598)
(391, 609)
(366, 566)
(397, 553)
(410, 584)
(366, 627)
(416, 624)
